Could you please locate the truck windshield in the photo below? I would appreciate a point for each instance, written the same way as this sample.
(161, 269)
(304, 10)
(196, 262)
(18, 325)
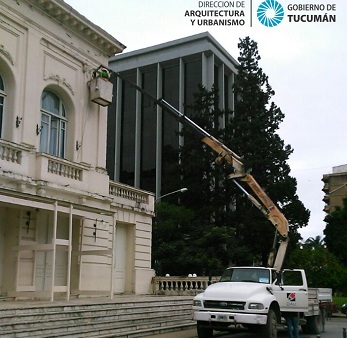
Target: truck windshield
(253, 275)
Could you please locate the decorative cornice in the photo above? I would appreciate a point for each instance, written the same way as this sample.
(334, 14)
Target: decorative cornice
(69, 17)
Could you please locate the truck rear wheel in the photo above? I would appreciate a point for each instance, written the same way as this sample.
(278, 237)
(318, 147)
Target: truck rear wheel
(313, 325)
(270, 329)
(203, 331)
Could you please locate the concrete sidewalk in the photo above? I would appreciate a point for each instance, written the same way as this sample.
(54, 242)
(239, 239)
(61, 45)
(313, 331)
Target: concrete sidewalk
(178, 334)
(334, 328)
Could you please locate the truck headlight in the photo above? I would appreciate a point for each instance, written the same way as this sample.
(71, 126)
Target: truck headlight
(197, 303)
(256, 306)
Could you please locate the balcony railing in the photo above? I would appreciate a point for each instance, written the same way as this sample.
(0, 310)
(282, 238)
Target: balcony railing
(176, 285)
(124, 191)
(62, 168)
(10, 152)
(20, 159)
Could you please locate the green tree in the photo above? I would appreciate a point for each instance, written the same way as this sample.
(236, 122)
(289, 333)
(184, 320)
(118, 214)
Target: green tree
(322, 268)
(315, 242)
(181, 245)
(172, 231)
(336, 232)
(253, 133)
(224, 227)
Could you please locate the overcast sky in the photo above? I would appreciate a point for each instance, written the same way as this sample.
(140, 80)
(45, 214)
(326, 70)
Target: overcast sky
(305, 63)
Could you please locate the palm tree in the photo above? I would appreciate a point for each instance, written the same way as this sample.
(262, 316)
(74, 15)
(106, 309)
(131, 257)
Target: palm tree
(315, 242)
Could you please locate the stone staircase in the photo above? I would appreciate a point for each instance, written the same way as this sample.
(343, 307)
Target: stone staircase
(123, 316)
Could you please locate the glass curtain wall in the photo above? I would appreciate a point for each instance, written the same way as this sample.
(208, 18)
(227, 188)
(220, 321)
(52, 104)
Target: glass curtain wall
(192, 80)
(148, 132)
(170, 129)
(111, 134)
(128, 122)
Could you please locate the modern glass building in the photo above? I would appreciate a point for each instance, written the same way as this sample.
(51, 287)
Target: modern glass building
(140, 136)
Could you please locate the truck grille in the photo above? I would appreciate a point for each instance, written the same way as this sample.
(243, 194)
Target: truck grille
(224, 305)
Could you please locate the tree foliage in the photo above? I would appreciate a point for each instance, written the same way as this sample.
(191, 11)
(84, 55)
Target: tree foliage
(336, 232)
(253, 133)
(224, 228)
(172, 230)
(181, 245)
(315, 242)
(322, 268)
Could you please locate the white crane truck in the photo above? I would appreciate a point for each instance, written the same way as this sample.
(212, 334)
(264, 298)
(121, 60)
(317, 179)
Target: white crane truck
(254, 297)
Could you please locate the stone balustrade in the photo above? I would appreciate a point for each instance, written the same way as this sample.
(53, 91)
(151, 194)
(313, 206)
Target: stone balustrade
(25, 157)
(63, 168)
(124, 191)
(178, 286)
(10, 152)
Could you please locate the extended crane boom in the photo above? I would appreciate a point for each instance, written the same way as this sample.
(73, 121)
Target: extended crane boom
(262, 202)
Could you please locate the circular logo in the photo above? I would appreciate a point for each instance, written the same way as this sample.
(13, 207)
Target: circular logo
(270, 13)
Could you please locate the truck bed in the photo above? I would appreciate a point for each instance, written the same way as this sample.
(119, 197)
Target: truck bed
(317, 298)
(320, 295)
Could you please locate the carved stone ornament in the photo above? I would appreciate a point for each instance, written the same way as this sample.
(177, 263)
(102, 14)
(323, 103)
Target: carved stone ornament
(61, 82)
(7, 54)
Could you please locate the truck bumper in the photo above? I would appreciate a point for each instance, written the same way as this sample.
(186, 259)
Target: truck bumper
(230, 317)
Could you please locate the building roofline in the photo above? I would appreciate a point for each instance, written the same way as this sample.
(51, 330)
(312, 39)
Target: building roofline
(205, 36)
(66, 15)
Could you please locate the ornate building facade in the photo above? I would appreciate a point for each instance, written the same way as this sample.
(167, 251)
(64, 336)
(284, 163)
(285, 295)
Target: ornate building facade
(65, 227)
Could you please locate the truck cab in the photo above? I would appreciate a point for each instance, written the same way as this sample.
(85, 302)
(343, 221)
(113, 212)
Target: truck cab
(252, 296)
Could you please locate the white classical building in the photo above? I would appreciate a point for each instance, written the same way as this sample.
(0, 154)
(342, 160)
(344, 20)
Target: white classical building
(65, 228)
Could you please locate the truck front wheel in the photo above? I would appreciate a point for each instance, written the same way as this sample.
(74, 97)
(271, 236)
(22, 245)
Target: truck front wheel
(203, 331)
(270, 329)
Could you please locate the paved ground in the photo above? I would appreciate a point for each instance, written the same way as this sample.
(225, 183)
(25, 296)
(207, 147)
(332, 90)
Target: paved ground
(179, 334)
(333, 329)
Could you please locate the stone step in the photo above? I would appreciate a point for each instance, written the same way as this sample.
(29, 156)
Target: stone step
(105, 311)
(126, 332)
(22, 310)
(94, 328)
(104, 319)
(50, 324)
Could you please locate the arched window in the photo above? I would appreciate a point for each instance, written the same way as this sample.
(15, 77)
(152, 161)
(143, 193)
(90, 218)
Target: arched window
(53, 125)
(2, 103)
